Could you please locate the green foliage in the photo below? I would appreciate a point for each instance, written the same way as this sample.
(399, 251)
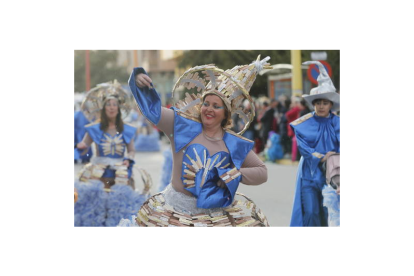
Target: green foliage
(103, 68)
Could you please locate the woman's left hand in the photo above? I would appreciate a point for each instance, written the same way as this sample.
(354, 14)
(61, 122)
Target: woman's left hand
(126, 163)
(143, 80)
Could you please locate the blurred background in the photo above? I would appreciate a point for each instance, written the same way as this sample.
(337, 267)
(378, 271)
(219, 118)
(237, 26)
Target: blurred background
(165, 67)
(276, 92)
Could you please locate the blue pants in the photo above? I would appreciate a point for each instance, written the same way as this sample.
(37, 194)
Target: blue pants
(314, 214)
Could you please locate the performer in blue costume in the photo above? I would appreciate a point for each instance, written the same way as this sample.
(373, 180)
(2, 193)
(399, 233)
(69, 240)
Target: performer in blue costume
(80, 122)
(105, 187)
(209, 160)
(318, 137)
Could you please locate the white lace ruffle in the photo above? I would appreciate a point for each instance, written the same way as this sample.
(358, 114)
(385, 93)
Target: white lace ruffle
(184, 203)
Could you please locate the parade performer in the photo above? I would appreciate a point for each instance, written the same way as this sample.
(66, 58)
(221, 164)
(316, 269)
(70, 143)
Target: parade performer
(209, 160)
(80, 122)
(106, 191)
(317, 135)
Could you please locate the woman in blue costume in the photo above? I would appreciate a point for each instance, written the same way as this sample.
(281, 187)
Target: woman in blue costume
(317, 135)
(80, 122)
(209, 160)
(105, 188)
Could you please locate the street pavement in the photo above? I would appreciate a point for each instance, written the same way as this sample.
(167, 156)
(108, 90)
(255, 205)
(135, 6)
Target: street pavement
(274, 198)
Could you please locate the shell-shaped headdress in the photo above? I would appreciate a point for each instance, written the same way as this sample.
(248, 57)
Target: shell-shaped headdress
(93, 101)
(232, 86)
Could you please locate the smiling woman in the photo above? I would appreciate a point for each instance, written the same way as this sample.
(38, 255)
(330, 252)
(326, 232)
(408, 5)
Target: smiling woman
(209, 160)
(213, 115)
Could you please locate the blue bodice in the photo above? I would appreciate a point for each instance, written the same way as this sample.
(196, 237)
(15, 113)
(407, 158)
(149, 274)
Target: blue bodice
(108, 145)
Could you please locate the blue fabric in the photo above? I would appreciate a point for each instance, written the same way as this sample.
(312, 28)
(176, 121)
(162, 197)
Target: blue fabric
(112, 173)
(210, 195)
(80, 122)
(238, 148)
(150, 142)
(148, 101)
(122, 202)
(314, 135)
(90, 208)
(100, 138)
(248, 134)
(275, 151)
(128, 222)
(185, 130)
(129, 133)
(166, 169)
(95, 207)
(331, 200)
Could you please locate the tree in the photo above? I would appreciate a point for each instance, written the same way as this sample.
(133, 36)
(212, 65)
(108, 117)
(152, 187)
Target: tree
(103, 68)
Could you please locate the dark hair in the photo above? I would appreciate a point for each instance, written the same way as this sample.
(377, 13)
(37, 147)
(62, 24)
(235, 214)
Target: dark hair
(104, 119)
(287, 103)
(303, 103)
(317, 100)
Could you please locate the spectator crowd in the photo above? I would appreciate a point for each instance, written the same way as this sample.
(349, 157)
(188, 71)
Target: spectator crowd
(270, 130)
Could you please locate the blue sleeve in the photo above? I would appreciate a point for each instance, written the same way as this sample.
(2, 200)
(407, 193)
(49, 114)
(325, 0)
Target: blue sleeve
(311, 156)
(94, 132)
(148, 100)
(337, 131)
(129, 133)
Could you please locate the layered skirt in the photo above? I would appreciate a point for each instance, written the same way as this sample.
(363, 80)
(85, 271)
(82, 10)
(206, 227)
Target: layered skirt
(97, 206)
(170, 208)
(105, 192)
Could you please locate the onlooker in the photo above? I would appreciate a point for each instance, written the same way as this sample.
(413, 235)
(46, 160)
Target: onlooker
(304, 108)
(267, 120)
(292, 115)
(283, 125)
